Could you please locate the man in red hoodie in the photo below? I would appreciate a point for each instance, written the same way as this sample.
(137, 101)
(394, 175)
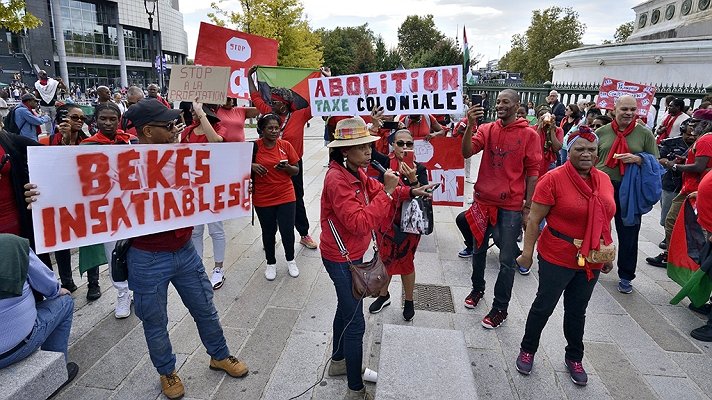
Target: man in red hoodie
(511, 157)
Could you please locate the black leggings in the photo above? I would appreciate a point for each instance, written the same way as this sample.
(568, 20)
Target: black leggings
(281, 216)
(464, 228)
(301, 222)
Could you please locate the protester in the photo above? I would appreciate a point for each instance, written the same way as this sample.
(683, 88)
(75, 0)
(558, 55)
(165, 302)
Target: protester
(620, 145)
(119, 101)
(704, 217)
(292, 130)
(600, 120)
(577, 201)
(551, 138)
(503, 194)
(355, 205)
(208, 128)
(233, 118)
(591, 114)
(422, 126)
(158, 259)
(558, 109)
(273, 197)
(522, 113)
(46, 90)
(153, 94)
(397, 248)
(670, 127)
(572, 117)
(107, 122)
(30, 324)
(531, 110)
(27, 118)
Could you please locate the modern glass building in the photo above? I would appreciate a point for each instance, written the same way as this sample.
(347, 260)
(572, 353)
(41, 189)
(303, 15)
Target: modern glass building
(101, 42)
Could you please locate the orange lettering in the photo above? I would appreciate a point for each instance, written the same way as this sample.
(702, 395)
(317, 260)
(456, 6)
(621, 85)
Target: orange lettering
(201, 156)
(118, 212)
(234, 191)
(219, 202)
(182, 176)
(139, 201)
(93, 169)
(155, 168)
(50, 227)
(188, 206)
(98, 215)
(170, 205)
(202, 205)
(77, 224)
(156, 208)
(126, 170)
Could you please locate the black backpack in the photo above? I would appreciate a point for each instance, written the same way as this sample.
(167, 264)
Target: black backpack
(9, 123)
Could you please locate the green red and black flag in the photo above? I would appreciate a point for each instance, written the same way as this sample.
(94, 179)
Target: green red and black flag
(295, 80)
(686, 251)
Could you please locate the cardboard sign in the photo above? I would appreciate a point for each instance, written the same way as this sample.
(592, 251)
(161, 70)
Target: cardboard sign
(442, 156)
(611, 89)
(97, 194)
(434, 90)
(207, 84)
(235, 50)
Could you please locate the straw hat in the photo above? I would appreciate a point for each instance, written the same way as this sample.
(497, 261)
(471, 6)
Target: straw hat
(351, 132)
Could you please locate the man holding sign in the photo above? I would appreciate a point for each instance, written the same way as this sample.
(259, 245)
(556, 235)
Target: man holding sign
(158, 259)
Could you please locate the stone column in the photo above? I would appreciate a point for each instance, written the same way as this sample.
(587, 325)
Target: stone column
(122, 55)
(59, 40)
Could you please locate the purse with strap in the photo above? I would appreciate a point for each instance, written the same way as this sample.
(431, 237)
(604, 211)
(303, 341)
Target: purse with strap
(605, 253)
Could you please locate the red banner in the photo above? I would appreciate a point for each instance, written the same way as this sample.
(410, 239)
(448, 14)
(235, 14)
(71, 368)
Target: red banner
(224, 47)
(442, 156)
(611, 89)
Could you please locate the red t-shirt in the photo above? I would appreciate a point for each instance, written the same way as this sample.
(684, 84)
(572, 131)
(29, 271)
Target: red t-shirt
(164, 241)
(510, 154)
(292, 125)
(548, 156)
(9, 215)
(703, 148)
(234, 122)
(704, 203)
(568, 214)
(420, 129)
(188, 136)
(276, 187)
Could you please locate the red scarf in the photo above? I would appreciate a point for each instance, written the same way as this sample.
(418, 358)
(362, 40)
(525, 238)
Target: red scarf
(121, 137)
(597, 227)
(38, 128)
(620, 145)
(668, 122)
(479, 216)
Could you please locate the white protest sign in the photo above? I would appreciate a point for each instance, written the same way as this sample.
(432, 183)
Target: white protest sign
(97, 194)
(208, 84)
(436, 90)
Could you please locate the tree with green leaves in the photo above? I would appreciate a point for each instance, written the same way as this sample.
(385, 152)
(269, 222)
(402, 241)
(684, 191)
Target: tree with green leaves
(444, 52)
(551, 32)
(623, 31)
(349, 50)
(14, 18)
(282, 20)
(417, 35)
(386, 59)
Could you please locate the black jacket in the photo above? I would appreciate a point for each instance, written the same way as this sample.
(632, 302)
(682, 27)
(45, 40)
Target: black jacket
(559, 111)
(669, 148)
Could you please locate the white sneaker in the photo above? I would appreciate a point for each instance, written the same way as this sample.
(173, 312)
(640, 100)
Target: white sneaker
(217, 278)
(123, 305)
(271, 272)
(293, 270)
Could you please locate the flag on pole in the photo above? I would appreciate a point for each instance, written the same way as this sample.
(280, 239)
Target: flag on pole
(294, 79)
(466, 58)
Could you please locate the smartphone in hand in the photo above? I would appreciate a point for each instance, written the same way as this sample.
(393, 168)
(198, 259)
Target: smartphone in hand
(282, 164)
(409, 158)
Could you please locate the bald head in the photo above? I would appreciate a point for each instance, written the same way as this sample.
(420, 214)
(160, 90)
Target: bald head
(507, 104)
(625, 110)
(103, 93)
(511, 94)
(134, 94)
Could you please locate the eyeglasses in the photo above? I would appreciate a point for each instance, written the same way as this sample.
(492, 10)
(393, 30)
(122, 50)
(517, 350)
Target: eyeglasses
(169, 126)
(401, 143)
(596, 126)
(77, 118)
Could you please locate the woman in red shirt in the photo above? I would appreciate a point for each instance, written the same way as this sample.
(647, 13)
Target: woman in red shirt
(207, 128)
(577, 201)
(233, 118)
(356, 206)
(275, 162)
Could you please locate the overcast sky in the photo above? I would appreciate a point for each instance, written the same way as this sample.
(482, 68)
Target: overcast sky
(490, 24)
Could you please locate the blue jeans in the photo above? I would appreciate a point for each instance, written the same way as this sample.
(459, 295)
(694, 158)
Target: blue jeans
(149, 275)
(504, 233)
(51, 330)
(348, 336)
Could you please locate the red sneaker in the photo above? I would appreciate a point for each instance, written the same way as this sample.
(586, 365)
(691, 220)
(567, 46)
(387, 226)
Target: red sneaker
(473, 298)
(494, 318)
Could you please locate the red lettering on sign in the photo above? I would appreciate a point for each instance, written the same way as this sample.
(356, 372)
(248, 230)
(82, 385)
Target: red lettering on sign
(335, 88)
(68, 222)
(367, 89)
(219, 202)
(201, 165)
(138, 200)
(126, 170)
(170, 206)
(451, 79)
(430, 80)
(202, 205)
(353, 86)
(98, 215)
(155, 168)
(119, 213)
(234, 191)
(398, 78)
(50, 227)
(319, 89)
(182, 169)
(93, 169)
(414, 81)
(188, 206)
(156, 207)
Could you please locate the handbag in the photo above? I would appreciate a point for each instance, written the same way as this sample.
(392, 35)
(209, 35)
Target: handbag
(605, 253)
(417, 216)
(119, 262)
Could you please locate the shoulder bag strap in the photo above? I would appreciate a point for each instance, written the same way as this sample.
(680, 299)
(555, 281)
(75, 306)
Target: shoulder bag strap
(373, 232)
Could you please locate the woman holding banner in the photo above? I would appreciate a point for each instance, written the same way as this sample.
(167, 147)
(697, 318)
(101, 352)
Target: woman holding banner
(207, 128)
(275, 162)
(352, 207)
(233, 119)
(397, 247)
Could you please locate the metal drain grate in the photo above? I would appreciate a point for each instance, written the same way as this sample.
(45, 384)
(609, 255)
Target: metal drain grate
(431, 298)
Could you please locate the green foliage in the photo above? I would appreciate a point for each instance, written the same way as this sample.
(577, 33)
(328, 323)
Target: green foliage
(349, 50)
(444, 52)
(282, 20)
(417, 35)
(623, 31)
(14, 18)
(386, 59)
(551, 32)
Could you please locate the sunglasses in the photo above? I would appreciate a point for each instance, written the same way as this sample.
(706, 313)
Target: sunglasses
(169, 126)
(77, 118)
(596, 126)
(401, 143)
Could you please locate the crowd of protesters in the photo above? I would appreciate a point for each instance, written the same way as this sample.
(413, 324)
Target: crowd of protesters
(552, 175)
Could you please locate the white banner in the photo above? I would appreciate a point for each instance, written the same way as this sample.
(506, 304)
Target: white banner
(97, 194)
(436, 90)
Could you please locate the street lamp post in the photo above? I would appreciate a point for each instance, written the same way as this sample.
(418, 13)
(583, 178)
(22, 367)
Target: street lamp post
(150, 13)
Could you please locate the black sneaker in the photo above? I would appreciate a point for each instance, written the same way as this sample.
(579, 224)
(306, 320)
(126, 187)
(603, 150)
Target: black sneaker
(94, 293)
(408, 310)
(380, 303)
(578, 374)
(703, 333)
(72, 371)
(473, 298)
(704, 309)
(525, 361)
(494, 318)
(658, 261)
(70, 286)
(663, 245)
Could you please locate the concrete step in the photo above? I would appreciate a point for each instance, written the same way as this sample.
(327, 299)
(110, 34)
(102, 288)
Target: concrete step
(424, 363)
(36, 377)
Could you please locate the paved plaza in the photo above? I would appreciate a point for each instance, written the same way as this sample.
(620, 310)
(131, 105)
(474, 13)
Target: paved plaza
(637, 345)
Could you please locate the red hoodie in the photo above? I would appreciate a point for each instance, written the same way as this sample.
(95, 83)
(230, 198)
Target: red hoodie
(510, 154)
